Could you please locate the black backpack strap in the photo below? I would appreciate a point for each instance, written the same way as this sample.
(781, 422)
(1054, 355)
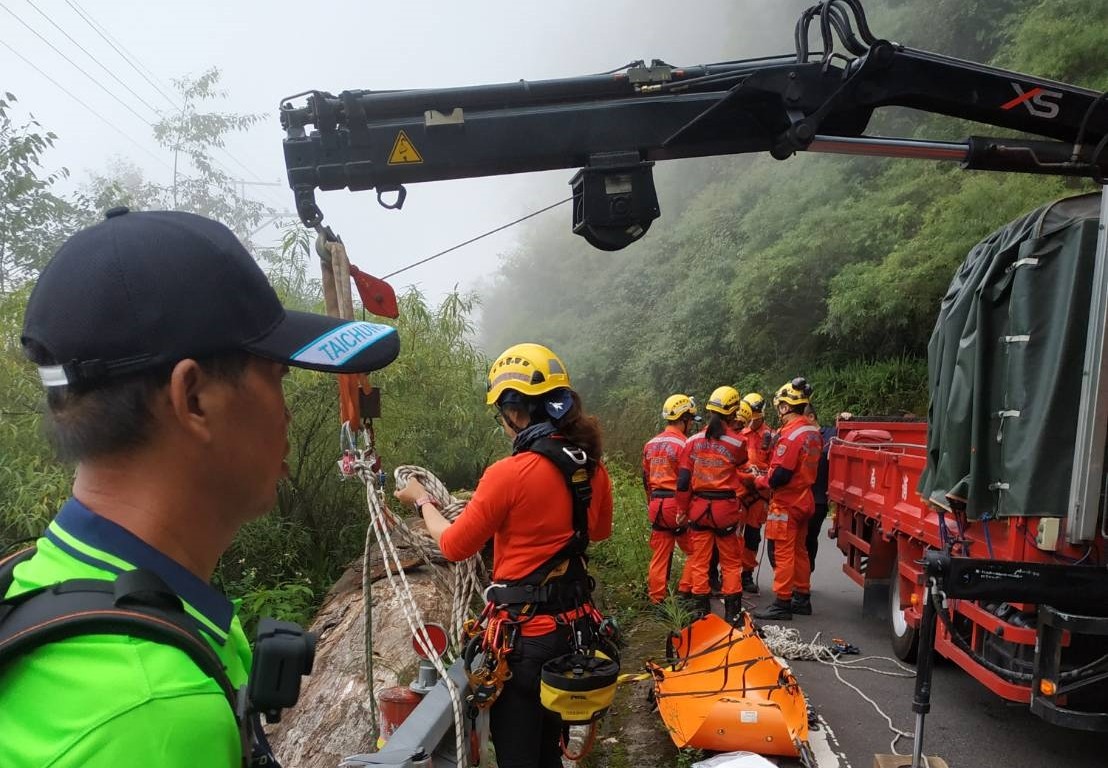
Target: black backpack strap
(576, 468)
(138, 604)
(562, 581)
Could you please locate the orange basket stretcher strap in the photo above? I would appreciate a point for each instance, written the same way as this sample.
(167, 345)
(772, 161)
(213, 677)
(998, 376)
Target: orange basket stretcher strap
(725, 691)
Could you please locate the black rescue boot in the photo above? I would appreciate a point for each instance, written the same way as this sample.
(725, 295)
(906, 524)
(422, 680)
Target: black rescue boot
(750, 586)
(701, 606)
(801, 604)
(733, 609)
(778, 610)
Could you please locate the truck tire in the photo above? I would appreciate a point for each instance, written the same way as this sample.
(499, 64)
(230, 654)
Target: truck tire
(905, 637)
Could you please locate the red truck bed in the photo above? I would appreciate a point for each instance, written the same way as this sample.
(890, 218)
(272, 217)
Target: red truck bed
(883, 527)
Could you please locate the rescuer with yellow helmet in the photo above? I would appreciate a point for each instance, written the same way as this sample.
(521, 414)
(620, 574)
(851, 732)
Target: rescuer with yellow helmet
(708, 487)
(759, 443)
(541, 506)
(792, 471)
(659, 478)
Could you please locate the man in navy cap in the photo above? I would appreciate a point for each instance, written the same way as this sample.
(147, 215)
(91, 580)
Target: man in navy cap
(162, 348)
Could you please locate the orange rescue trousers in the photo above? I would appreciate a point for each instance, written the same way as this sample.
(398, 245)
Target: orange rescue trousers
(730, 562)
(793, 570)
(661, 561)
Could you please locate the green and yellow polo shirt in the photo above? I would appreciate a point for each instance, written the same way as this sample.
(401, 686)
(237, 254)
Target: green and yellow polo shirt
(113, 701)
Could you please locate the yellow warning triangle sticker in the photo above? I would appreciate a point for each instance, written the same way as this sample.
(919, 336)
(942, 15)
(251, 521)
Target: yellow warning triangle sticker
(404, 151)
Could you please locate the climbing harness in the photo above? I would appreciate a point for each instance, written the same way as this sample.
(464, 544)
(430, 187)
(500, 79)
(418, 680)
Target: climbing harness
(578, 686)
(657, 501)
(711, 525)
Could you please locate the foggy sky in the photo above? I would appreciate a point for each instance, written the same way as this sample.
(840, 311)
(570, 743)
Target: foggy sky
(268, 50)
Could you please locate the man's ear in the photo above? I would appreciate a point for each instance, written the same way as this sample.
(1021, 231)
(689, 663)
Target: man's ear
(192, 396)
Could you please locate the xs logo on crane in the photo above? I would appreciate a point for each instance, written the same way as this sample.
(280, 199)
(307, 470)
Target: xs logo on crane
(1040, 102)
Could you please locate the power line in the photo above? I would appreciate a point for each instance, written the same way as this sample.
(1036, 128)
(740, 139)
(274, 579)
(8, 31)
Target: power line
(91, 111)
(475, 239)
(136, 64)
(104, 88)
(107, 38)
(95, 60)
(77, 66)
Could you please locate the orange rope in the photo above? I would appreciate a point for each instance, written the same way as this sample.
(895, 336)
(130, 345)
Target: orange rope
(586, 748)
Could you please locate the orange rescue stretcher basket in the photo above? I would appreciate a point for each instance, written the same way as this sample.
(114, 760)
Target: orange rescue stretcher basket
(723, 690)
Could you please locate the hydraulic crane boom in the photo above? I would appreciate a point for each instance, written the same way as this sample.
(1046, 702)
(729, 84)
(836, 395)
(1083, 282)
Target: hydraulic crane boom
(614, 126)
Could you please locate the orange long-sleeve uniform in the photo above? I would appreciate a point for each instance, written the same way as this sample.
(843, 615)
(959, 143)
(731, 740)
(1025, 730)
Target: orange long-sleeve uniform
(759, 448)
(523, 504)
(709, 489)
(759, 445)
(792, 471)
(659, 470)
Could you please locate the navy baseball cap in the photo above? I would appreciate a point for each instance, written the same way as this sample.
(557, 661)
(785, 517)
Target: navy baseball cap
(141, 290)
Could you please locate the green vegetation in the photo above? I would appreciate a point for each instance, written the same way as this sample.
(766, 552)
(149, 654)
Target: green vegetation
(282, 564)
(621, 561)
(825, 266)
(757, 271)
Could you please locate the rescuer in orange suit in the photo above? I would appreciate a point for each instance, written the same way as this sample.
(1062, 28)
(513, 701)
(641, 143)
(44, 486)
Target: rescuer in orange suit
(708, 493)
(659, 478)
(526, 505)
(792, 471)
(759, 446)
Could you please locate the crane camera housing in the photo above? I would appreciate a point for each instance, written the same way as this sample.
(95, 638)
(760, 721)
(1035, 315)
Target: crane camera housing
(614, 200)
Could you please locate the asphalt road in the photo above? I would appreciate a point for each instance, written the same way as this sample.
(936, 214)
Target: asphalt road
(969, 727)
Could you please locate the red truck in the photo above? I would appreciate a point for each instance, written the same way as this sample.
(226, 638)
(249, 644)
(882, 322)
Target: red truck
(1015, 429)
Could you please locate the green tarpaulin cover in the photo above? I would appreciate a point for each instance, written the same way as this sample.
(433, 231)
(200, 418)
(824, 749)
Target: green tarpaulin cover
(1005, 366)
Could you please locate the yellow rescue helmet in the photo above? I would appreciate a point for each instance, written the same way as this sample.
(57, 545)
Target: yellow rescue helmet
(530, 369)
(677, 406)
(796, 392)
(579, 688)
(756, 402)
(724, 400)
(746, 413)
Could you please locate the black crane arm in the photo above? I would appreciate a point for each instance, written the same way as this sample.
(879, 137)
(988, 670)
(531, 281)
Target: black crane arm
(614, 126)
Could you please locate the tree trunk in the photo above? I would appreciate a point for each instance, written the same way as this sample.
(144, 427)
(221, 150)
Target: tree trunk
(332, 718)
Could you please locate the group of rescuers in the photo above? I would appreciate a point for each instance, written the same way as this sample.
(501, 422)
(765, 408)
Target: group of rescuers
(162, 349)
(710, 493)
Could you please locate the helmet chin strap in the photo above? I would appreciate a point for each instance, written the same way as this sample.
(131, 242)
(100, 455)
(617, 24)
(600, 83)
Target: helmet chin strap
(508, 420)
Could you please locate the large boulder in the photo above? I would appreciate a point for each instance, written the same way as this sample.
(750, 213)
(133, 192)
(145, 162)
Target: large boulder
(332, 718)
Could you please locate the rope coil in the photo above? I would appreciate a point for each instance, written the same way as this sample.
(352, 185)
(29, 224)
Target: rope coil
(787, 643)
(465, 579)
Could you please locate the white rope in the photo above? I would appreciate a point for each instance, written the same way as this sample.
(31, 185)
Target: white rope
(367, 627)
(787, 643)
(380, 523)
(468, 574)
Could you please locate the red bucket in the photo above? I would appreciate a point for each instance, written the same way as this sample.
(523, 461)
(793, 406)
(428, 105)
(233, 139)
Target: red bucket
(395, 704)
